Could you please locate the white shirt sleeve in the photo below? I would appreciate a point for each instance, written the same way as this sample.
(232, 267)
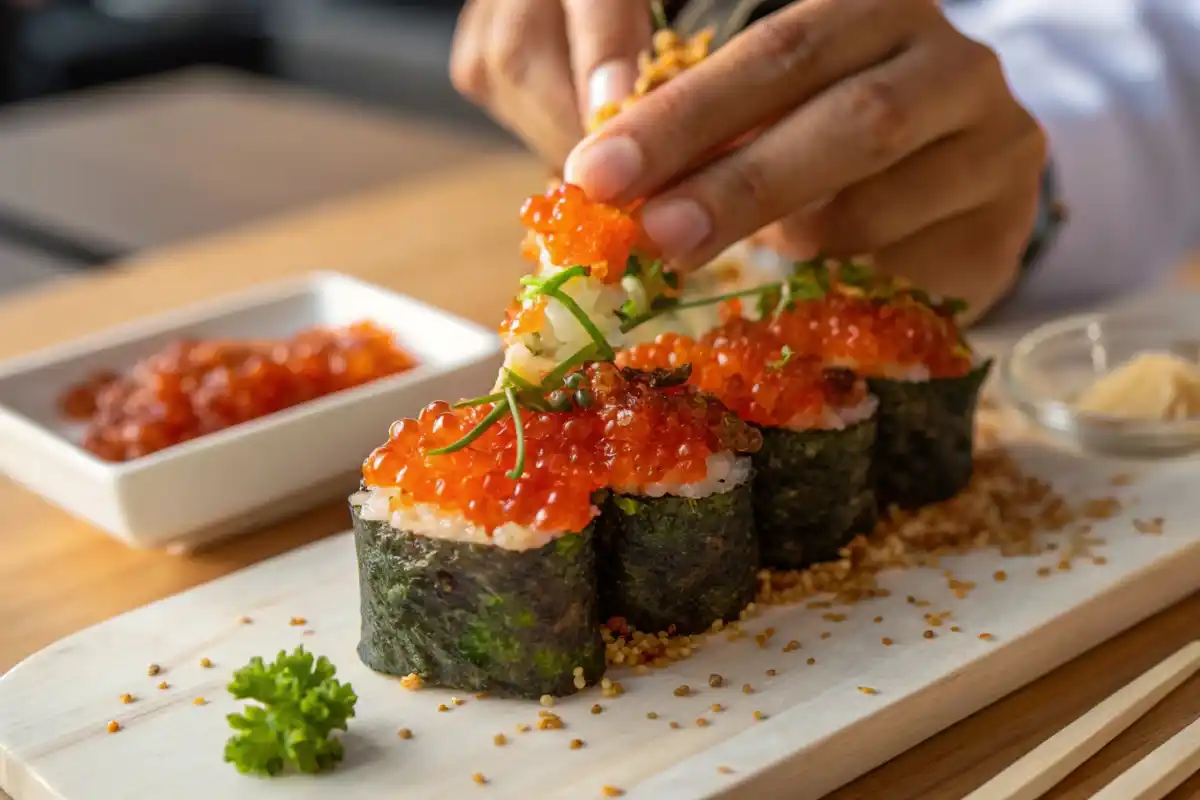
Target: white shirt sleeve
(1116, 86)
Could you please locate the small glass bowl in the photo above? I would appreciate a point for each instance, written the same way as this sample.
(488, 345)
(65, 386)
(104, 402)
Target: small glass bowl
(1049, 367)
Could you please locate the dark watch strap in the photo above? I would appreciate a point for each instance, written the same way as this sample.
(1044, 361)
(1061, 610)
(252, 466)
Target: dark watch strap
(1051, 216)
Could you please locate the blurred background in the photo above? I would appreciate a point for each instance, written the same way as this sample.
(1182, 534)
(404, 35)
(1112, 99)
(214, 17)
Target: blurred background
(129, 124)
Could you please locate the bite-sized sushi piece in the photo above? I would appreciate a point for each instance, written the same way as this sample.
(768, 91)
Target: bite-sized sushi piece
(677, 545)
(470, 578)
(910, 349)
(813, 490)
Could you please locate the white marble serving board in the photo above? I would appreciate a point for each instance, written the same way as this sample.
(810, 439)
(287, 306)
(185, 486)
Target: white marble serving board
(820, 732)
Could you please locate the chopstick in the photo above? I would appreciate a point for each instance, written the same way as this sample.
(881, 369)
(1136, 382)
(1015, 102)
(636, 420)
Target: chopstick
(1056, 758)
(1159, 773)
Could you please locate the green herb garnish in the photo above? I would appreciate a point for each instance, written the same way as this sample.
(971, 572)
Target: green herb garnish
(785, 355)
(302, 704)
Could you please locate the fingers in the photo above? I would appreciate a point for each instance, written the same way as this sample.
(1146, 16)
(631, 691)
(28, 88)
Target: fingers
(974, 256)
(606, 38)
(512, 58)
(776, 64)
(863, 126)
(948, 178)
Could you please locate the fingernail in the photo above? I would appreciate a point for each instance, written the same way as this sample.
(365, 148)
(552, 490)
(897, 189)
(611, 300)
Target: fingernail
(611, 82)
(604, 167)
(677, 226)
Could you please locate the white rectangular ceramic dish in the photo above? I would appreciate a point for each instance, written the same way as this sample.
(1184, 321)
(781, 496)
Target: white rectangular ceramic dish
(252, 473)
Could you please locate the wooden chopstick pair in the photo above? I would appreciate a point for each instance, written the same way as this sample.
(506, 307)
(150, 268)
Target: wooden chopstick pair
(1150, 779)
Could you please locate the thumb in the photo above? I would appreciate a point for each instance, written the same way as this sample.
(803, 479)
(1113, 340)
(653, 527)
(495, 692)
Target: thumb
(606, 37)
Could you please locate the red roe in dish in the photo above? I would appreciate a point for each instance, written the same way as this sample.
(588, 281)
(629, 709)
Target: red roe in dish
(576, 230)
(629, 432)
(746, 367)
(193, 388)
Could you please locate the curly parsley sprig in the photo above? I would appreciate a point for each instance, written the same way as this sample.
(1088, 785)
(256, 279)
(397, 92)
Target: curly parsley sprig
(302, 704)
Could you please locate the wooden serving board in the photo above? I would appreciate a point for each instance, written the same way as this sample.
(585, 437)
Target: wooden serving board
(820, 730)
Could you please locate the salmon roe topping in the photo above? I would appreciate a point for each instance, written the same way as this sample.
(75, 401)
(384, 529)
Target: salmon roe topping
(193, 388)
(522, 317)
(743, 364)
(633, 434)
(876, 338)
(574, 230)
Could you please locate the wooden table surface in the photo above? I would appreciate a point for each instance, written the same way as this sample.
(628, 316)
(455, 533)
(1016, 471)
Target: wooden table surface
(452, 240)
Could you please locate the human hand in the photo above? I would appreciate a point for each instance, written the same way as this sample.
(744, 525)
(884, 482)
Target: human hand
(540, 67)
(862, 127)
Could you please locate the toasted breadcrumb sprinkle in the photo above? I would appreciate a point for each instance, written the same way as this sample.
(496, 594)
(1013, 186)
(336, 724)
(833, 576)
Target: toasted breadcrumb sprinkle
(126, 698)
(478, 778)
(113, 726)
(297, 621)
(404, 733)
(412, 681)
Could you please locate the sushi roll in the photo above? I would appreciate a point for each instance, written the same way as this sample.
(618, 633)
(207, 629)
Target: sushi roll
(813, 490)
(677, 545)
(911, 351)
(474, 580)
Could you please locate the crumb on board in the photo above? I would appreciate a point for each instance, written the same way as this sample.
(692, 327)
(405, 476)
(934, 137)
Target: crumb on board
(987, 637)
(929, 634)
(683, 690)
(499, 740)
(758, 715)
(715, 681)
(612, 791)
(206, 662)
(153, 669)
(725, 770)
(297, 621)
(550, 722)
(1043, 572)
(523, 728)
(791, 646)
(747, 689)
(576, 744)
(163, 685)
(1000, 576)
(597, 708)
(877, 620)
(113, 726)
(868, 690)
(199, 701)
(811, 661)
(825, 634)
(651, 715)
(481, 695)
(674, 724)
(1149, 526)
(701, 722)
(771, 673)
(955, 629)
(412, 681)
(458, 701)
(887, 642)
(404, 733)
(126, 698)
(443, 707)
(1099, 561)
(478, 778)
(244, 620)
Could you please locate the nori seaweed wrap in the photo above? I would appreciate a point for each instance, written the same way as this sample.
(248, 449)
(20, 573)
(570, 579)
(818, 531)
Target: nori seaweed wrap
(924, 450)
(813, 492)
(678, 561)
(476, 617)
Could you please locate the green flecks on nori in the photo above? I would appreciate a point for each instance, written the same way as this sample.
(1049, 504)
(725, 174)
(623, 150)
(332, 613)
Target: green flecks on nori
(479, 618)
(813, 493)
(676, 561)
(924, 450)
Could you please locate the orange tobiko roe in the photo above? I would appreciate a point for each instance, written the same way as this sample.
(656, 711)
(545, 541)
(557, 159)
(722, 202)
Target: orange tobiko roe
(577, 231)
(742, 363)
(633, 435)
(193, 388)
(875, 338)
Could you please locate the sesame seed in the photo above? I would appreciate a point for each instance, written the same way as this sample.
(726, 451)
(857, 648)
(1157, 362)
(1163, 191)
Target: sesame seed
(113, 726)
(127, 698)
(499, 740)
(576, 744)
(404, 733)
(153, 669)
(478, 778)
(597, 708)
